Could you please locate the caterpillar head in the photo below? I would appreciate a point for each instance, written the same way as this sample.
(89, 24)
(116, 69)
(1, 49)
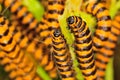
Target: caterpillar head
(74, 22)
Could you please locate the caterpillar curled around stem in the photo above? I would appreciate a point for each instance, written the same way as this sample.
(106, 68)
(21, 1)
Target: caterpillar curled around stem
(61, 56)
(83, 47)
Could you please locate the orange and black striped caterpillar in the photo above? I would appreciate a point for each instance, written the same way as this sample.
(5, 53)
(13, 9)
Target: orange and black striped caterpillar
(25, 18)
(50, 20)
(103, 57)
(42, 31)
(54, 9)
(98, 10)
(83, 47)
(102, 37)
(61, 56)
(37, 49)
(12, 57)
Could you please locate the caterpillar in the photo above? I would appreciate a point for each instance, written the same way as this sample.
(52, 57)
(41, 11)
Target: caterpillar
(25, 18)
(49, 65)
(43, 57)
(98, 10)
(61, 56)
(83, 47)
(44, 31)
(55, 8)
(50, 20)
(30, 46)
(12, 57)
(102, 58)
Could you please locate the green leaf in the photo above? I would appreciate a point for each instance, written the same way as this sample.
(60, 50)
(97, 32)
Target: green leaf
(34, 7)
(115, 6)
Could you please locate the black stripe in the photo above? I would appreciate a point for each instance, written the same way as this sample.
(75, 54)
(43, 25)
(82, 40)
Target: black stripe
(11, 5)
(109, 48)
(101, 61)
(18, 9)
(57, 54)
(85, 48)
(61, 65)
(102, 77)
(85, 56)
(101, 37)
(105, 55)
(52, 20)
(100, 68)
(105, 18)
(6, 32)
(92, 73)
(86, 40)
(112, 41)
(87, 61)
(64, 69)
(55, 11)
(57, 43)
(23, 16)
(67, 76)
(8, 43)
(60, 48)
(116, 27)
(104, 28)
(79, 25)
(56, 2)
(93, 7)
(15, 57)
(100, 10)
(116, 35)
(80, 35)
(2, 23)
(51, 68)
(62, 60)
(13, 49)
(87, 67)
(97, 45)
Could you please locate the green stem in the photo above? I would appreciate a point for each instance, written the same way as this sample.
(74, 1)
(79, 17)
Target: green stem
(42, 73)
(79, 75)
(109, 70)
